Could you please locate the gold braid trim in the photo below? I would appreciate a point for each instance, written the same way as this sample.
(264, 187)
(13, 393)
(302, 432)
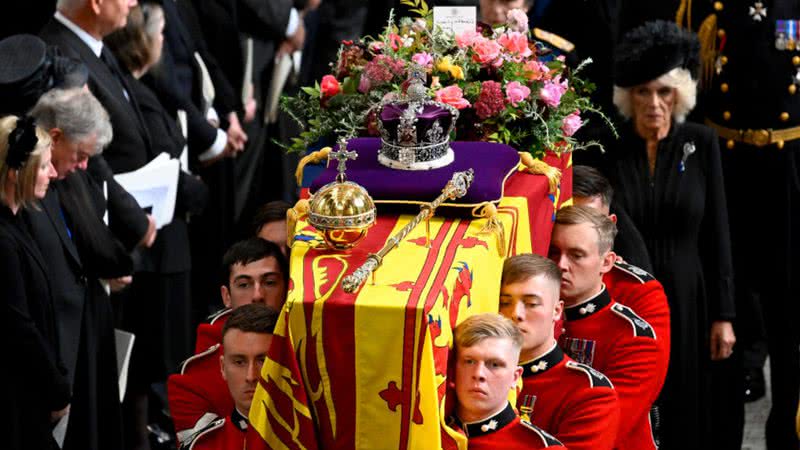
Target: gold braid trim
(494, 225)
(684, 10)
(299, 211)
(539, 167)
(312, 158)
(707, 34)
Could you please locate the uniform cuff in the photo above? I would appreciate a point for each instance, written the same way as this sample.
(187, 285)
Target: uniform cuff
(294, 22)
(216, 148)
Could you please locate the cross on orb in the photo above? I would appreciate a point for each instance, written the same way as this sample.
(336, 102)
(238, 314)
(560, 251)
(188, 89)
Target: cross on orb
(342, 155)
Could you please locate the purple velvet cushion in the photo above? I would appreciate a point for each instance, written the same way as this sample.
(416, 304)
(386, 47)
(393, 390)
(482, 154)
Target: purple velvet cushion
(492, 164)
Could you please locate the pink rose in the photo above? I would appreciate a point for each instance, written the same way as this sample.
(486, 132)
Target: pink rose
(467, 38)
(534, 70)
(517, 20)
(571, 123)
(516, 92)
(516, 43)
(552, 91)
(453, 96)
(487, 51)
(423, 59)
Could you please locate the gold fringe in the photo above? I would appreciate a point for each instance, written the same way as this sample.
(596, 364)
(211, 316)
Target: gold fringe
(312, 158)
(292, 216)
(707, 34)
(494, 225)
(539, 167)
(684, 10)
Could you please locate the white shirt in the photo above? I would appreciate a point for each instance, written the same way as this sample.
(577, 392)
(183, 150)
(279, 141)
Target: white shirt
(88, 39)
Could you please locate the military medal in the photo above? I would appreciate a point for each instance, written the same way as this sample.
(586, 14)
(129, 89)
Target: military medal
(780, 34)
(758, 11)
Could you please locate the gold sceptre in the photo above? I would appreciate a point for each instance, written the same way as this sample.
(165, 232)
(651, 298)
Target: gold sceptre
(455, 188)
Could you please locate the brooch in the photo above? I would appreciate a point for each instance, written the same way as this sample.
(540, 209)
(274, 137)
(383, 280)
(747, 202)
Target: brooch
(688, 149)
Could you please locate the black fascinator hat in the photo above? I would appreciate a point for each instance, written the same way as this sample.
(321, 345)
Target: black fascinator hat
(21, 142)
(653, 49)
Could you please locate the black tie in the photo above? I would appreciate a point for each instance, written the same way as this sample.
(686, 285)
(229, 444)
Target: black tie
(111, 62)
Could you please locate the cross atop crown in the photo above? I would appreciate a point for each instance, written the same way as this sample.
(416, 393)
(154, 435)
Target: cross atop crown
(342, 155)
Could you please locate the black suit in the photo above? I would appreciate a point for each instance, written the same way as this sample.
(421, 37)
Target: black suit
(83, 309)
(130, 148)
(34, 382)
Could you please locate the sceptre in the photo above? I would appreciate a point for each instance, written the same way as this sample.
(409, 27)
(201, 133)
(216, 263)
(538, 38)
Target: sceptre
(455, 188)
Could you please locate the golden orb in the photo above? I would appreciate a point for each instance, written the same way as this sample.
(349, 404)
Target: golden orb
(792, 89)
(342, 211)
(726, 115)
(718, 6)
(724, 87)
(784, 116)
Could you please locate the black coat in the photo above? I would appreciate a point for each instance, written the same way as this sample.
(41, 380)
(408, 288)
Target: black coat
(34, 380)
(129, 150)
(682, 216)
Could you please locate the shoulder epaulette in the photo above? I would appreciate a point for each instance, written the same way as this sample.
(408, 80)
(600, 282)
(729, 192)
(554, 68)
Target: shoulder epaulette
(636, 272)
(596, 379)
(189, 443)
(554, 40)
(547, 438)
(640, 326)
(193, 358)
(204, 421)
(221, 313)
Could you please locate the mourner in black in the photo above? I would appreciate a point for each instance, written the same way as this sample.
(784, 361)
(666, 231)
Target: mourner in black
(667, 175)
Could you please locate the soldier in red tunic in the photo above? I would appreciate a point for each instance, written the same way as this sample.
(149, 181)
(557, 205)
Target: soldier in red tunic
(487, 352)
(571, 400)
(256, 272)
(246, 338)
(601, 333)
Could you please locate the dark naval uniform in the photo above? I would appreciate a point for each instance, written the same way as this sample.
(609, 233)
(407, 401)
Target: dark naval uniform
(222, 434)
(571, 400)
(753, 102)
(614, 340)
(507, 431)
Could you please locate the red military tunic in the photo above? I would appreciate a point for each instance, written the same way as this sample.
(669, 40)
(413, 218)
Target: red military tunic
(222, 434)
(638, 290)
(505, 431)
(198, 394)
(572, 401)
(611, 338)
(210, 333)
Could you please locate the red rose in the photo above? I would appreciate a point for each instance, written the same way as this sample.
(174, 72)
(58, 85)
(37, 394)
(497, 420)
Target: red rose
(329, 86)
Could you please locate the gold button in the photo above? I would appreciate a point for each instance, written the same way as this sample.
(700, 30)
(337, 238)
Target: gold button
(784, 116)
(717, 6)
(720, 33)
(779, 144)
(723, 87)
(723, 59)
(792, 88)
(726, 115)
(730, 144)
(796, 60)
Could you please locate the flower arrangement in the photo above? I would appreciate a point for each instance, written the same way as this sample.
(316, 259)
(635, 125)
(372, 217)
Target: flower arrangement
(506, 87)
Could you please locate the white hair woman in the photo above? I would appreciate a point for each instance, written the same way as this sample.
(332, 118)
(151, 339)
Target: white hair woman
(667, 175)
(35, 389)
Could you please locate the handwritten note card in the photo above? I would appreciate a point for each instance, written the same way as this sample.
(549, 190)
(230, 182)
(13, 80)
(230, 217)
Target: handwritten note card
(455, 19)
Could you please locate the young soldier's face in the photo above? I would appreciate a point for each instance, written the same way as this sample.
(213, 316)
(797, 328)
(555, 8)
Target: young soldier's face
(575, 249)
(534, 307)
(260, 281)
(485, 373)
(241, 362)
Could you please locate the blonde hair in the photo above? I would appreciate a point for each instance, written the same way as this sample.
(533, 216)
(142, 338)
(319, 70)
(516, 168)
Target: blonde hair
(679, 79)
(605, 227)
(24, 188)
(475, 329)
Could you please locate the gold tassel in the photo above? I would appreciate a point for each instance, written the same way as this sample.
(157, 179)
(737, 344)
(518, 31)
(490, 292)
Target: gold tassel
(685, 9)
(494, 225)
(539, 167)
(292, 216)
(312, 158)
(707, 34)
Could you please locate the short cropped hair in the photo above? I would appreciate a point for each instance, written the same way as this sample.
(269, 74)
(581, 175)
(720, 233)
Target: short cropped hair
(523, 267)
(270, 212)
(475, 329)
(588, 182)
(77, 113)
(251, 250)
(25, 187)
(252, 318)
(605, 227)
(133, 44)
(678, 78)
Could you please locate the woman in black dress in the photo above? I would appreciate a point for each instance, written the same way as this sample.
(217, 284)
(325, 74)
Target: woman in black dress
(34, 382)
(668, 177)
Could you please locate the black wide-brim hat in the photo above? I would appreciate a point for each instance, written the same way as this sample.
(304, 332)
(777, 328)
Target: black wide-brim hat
(30, 68)
(653, 49)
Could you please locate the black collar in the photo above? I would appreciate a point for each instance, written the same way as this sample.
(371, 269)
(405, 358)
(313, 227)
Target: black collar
(588, 307)
(542, 363)
(239, 421)
(490, 424)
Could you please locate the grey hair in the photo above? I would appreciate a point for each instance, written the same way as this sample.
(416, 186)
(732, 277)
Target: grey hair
(70, 5)
(77, 113)
(678, 78)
